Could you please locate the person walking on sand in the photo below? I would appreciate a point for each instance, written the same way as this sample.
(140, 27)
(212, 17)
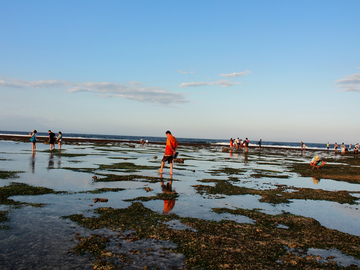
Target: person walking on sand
(335, 147)
(259, 143)
(33, 139)
(328, 146)
(59, 139)
(302, 146)
(170, 150)
(52, 140)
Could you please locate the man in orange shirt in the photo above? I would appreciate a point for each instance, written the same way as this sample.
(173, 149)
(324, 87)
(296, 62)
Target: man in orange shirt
(170, 150)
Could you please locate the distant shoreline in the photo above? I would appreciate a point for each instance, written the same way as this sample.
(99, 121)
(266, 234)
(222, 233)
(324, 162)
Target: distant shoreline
(71, 140)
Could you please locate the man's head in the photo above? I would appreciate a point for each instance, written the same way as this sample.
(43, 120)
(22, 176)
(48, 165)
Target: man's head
(49, 131)
(168, 132)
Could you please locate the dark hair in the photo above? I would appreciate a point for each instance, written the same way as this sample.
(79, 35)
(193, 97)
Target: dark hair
(168, 132)
(60, 132)
(35, 131)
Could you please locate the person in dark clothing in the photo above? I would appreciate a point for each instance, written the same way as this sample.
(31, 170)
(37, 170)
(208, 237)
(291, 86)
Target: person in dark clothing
(52, 140)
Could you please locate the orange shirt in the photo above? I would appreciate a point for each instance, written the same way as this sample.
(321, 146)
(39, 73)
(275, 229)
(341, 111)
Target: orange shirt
(170, 142)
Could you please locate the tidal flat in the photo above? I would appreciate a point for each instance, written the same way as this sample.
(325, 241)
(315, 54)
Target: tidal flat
(91, 206)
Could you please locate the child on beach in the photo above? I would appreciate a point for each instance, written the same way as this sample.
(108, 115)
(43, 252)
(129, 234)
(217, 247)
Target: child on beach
(33, 139)
(316, 162)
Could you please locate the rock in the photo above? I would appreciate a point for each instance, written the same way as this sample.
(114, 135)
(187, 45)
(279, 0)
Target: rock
(148, 189)
(155, 157)
(100, 200)
(225, 149)
(178, 160)
(131, 145)
(94, 177)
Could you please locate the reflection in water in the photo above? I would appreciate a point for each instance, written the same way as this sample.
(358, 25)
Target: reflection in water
(33, 162)
(167, 188)
(51, 162)
(246, 158)
(59, 161)
(315, 180)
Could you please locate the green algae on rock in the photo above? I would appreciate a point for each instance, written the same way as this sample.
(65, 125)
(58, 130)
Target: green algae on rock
(280, 194)
(18, 189)
(220, 245)
(9, 174)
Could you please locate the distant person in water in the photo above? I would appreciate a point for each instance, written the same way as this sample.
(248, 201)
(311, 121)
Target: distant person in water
(328, 146)
(52, 140)
(335, 147)
(259, 143)
(343, 148)
(170, 150)
(246, 142)
(231, 143)
(33, 139)
(59, 140)
(302, 145)
(356, 149)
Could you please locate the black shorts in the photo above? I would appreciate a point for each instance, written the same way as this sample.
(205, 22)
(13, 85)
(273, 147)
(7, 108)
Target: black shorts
(169, 159)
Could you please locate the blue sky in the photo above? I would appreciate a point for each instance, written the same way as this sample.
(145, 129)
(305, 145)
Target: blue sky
(276, 70)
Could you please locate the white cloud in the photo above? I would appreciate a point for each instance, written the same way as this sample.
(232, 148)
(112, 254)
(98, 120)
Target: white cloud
(236, 74)
(184, 72)
(222, 83)
(350, 83)
(133, 91)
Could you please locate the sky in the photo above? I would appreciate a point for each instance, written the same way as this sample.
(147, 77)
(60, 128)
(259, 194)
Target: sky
(277, 70)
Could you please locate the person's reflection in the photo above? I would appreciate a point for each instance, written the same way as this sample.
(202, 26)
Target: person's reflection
(231, 153)
(33, 162)
(51, 162)
(59, 162)
(315, 180)
(167, 189)
(246, 158)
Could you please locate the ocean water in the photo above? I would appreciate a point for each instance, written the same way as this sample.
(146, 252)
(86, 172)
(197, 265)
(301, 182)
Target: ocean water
(309, 145)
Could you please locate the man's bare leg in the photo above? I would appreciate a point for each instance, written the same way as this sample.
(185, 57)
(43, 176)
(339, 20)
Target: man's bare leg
(162, 167)
(171, 168)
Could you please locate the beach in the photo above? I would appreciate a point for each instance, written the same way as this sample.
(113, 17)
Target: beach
(99, 203)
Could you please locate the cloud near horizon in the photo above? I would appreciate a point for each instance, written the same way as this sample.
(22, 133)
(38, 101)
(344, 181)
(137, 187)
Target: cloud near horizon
(236, 74)
(133, 91)
(350, 83)
(222, 83)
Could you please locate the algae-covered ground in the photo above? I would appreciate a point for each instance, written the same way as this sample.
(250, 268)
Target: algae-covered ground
(106, 207)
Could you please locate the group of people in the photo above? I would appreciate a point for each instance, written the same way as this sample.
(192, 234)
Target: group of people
(52, 139)
(344, 148)
(240, 143)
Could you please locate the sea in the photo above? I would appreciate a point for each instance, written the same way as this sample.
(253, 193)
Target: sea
(224, 142)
